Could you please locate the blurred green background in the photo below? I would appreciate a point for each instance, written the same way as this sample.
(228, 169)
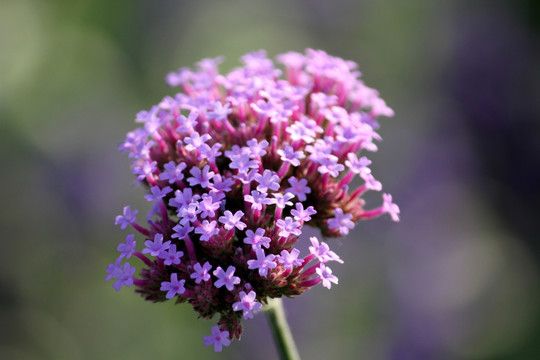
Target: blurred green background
(457, 278)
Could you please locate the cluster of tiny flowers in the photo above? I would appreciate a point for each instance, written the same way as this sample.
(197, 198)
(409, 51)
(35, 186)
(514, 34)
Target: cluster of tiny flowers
(235, 166)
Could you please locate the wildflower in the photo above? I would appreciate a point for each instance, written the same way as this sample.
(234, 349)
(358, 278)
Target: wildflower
(341, 221)
(235, 165)
(322, 251)
(124, 274)
(390, 208)
(226, 278)
(208, 206)
(290, 156)
(183, 198)
(263, 262)
(200, 177)
(247, 304)
(231, 221)
(301, 214)
(257, 239)
(257, 200)
(127, 218)
(172, 172)
(288, 227)
(256, 148)
(201, 273)
(182, 231)
(218, 339)
(267, 180)
(156, 246)
(171, 256)
(290, 259)
(282, 200)
(173, 287)
(298, 188)
(325, 275)
(195, 141)
(157, 193)
(207, 230)
(128, 247)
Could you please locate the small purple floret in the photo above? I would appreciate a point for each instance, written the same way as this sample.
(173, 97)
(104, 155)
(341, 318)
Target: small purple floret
(218, 339)
(173, 287)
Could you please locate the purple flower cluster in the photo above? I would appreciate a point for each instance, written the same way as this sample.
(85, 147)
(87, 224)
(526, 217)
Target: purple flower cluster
(235, 166)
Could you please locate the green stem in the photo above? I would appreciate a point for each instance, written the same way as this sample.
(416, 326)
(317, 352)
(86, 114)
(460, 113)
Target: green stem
(280, 330)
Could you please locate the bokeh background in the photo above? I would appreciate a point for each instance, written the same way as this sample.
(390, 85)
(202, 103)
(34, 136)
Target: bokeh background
(457, 278)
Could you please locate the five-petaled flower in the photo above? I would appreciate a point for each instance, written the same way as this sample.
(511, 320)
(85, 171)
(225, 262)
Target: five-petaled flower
(257, 239)
(201, 273)
(173, 287)
(326, 277)
(218, 339)
(247, 304)
(156, 246)
(231, 221)
(126, 249)
(226, 278)
(127, 218)
(263, 262)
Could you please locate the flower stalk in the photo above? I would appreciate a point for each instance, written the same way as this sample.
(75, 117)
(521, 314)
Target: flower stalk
(275, 313)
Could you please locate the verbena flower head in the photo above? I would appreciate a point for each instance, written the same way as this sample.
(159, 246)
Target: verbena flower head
(235, 166)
